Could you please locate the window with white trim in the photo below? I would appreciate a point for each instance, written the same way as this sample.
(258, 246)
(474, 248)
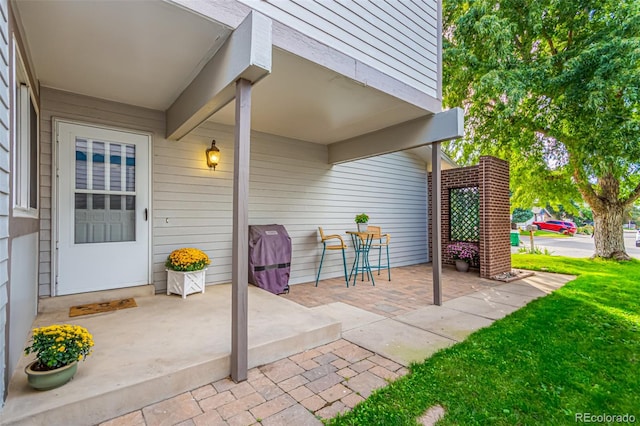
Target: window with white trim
(25, 152)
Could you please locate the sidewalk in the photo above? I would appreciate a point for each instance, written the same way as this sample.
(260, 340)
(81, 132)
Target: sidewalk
(330, 379)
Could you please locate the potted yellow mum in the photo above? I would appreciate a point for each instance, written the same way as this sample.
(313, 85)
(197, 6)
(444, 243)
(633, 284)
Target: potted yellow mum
(58, 348)
(186, 268)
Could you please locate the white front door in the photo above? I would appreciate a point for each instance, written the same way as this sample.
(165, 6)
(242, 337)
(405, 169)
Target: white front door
(103, 208)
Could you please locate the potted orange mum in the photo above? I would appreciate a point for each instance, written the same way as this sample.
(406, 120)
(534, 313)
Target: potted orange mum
(186, 268)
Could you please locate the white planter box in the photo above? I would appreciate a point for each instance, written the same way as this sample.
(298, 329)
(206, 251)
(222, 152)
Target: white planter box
(185, 283)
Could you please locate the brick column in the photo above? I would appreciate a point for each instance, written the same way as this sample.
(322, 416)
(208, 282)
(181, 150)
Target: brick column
(495, 224)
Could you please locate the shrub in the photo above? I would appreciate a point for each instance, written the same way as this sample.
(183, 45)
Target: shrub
(585, 230)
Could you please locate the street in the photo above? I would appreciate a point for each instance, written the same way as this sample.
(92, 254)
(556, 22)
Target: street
(576, 246)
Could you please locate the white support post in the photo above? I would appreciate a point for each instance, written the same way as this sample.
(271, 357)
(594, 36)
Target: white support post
(436, 222)
(240, 247)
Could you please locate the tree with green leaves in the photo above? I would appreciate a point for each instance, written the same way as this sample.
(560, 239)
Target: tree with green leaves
(520, 215)
(553, 86)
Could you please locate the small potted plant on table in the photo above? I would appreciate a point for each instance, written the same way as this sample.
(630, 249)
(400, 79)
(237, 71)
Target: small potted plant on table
(186, 268)
(362, 220)
(58, 349)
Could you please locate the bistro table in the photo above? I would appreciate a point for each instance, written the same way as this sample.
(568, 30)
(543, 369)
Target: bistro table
(361, 244)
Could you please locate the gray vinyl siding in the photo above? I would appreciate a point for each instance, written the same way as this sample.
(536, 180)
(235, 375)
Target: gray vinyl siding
(399, 38)
(58, 104)
(4, 185)
(291, 184)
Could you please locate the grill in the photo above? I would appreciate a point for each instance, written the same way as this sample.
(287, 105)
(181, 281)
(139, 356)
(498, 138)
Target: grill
(269, 257)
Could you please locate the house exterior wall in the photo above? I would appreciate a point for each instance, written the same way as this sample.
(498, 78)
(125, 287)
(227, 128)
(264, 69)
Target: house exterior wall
(4, 190)
(19, 232)
(291, 184)
(400, 38)
(491, 176)
(58, 104)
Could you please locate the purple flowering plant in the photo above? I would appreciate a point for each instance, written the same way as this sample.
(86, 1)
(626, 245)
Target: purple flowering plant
(468, 252)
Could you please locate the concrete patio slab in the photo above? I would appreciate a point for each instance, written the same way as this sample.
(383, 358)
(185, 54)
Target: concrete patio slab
(350, 316)
(523, 288)
(397, 341)
(165, 346)
(445, 322)
(497, 294)
(481, 307)
(547, 281)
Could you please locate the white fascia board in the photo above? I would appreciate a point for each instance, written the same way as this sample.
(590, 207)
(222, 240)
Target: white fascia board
(439, 127)
(245, 54)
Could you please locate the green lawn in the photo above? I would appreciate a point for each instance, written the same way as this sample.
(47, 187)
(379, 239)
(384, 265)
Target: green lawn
(574, 351)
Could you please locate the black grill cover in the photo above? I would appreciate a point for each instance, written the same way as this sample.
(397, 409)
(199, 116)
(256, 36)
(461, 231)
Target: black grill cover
(269, 257)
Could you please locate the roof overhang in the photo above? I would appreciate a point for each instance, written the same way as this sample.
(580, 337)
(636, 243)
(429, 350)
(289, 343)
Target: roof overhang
(180, 59)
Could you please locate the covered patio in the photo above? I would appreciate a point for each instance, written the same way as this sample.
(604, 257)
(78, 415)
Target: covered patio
(137, 363)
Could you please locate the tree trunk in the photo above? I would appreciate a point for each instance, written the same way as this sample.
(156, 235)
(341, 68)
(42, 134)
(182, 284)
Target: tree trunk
(608, 234)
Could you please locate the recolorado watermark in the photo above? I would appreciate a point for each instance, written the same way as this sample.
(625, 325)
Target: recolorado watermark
(605, 418)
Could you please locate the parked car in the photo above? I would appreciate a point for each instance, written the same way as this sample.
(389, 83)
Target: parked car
(638, 238)
(561, 226)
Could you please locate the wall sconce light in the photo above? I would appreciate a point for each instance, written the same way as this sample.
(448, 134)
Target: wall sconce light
(213, 155)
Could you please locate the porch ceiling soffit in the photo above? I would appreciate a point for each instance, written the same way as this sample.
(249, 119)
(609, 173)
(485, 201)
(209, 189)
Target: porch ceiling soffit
(246, 54)
(141, 53)
(305, 101)
(421, 131)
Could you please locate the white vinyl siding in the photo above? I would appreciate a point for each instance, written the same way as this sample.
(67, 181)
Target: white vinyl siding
(291, 184)
(4, 183)
(399, 38)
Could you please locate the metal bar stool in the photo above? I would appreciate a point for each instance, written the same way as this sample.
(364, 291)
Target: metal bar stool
(342, 246)
(378, 245)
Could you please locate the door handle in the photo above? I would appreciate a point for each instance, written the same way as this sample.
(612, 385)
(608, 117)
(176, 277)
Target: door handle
(146, 214)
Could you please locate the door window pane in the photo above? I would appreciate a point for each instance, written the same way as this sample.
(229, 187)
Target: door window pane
(81, 201)
(131, 202)
(98, 165)
(98, 201)
(115, 167)
(131, 168)
(104, 216)
(81, 164)
(115, 202)
(96, 222)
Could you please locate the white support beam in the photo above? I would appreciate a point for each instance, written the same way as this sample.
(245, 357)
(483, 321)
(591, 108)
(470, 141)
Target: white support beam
(438, 127)
(246, 55)
(240, 239)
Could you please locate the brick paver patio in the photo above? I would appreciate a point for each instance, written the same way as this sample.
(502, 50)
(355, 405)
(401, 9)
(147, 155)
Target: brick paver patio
(299, 390)
(319, 383)
(410, 288)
